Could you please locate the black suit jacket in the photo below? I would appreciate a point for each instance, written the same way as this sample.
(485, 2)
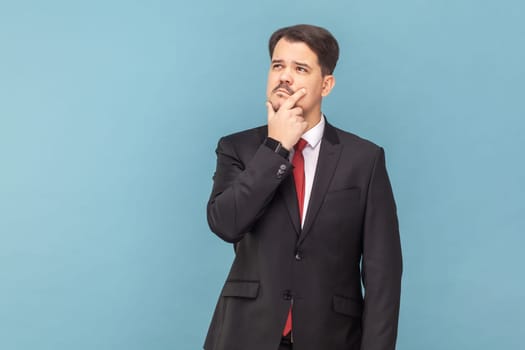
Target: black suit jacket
(350, 235)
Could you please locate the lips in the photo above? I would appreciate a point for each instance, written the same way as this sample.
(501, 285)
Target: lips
(283, 88)
(283, 91)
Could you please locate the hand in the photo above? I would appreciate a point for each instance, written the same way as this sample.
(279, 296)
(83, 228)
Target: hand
(287, 124)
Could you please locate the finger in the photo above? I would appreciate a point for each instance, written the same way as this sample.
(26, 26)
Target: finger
(297, 111)
(292, 100)
(304, 124)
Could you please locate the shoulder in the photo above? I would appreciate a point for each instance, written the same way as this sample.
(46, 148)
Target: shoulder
(256, 135)
(358, 151)
(242, 144)
(352, 141)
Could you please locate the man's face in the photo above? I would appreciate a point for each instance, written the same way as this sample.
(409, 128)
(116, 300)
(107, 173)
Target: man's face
(294, 65)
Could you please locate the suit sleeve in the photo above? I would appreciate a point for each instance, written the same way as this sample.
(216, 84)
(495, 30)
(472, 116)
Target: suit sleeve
(242, 188)
(382, 262)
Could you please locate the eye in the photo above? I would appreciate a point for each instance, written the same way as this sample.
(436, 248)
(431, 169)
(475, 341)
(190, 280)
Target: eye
(302, 69)
(277, 66)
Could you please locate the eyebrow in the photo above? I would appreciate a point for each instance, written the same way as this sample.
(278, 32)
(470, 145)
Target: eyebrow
(302, 64)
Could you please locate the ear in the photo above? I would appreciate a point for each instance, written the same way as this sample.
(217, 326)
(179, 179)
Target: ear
(328, 85)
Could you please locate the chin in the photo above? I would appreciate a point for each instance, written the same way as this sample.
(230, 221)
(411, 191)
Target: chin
(275, 106)
(276, 102)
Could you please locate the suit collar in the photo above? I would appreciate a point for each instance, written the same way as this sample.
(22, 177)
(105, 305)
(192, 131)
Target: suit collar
(330, 134)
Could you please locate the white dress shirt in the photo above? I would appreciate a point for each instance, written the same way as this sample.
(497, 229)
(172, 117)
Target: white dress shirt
(311, 154)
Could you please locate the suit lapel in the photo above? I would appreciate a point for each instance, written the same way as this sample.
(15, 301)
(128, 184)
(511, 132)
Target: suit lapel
(326, 164)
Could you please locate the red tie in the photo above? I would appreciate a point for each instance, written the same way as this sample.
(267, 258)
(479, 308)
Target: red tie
(298, 176)
(298, 173)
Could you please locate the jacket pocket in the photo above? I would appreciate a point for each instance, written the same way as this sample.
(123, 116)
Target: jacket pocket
(241, 289)
(347, 306)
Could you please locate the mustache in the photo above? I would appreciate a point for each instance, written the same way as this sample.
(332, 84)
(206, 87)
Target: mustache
(284, 87)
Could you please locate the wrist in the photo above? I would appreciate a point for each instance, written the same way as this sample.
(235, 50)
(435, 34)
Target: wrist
(276, 147)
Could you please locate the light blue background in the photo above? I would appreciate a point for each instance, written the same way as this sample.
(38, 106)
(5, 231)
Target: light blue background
(109, 116)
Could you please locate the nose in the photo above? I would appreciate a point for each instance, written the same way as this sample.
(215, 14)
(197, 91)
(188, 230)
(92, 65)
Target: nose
(285, 77)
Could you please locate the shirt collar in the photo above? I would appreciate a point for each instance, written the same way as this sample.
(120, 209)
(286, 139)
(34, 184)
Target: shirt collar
(315, 134)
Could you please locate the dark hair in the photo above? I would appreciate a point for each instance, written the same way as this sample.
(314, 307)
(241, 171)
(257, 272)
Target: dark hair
(318, 39)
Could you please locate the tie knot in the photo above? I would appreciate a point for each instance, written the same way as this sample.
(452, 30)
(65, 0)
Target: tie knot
(300, 145)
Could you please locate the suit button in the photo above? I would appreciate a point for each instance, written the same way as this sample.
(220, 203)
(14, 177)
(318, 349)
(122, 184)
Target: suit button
(287, 295)
(298, 255)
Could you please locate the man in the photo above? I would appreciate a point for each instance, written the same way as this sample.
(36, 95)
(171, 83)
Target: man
(310, 211)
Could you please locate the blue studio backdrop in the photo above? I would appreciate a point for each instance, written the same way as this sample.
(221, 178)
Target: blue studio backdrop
(110, 112)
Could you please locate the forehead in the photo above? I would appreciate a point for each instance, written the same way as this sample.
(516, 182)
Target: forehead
(294, 51)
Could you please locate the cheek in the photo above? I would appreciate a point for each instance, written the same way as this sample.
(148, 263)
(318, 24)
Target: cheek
(309, 100)
(269, 87)
(304, 102)
(273, 80)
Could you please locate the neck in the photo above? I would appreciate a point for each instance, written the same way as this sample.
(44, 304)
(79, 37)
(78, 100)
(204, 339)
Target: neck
(313, 118)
